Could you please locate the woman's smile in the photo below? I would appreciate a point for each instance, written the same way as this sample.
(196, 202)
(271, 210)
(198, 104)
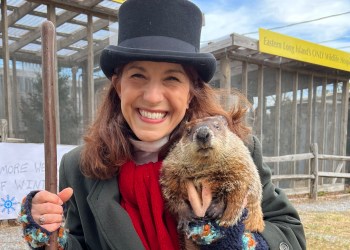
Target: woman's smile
(152, 116)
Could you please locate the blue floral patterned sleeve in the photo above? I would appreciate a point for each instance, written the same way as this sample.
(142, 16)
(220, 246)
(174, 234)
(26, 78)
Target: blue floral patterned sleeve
(36, 236)
(209, 235)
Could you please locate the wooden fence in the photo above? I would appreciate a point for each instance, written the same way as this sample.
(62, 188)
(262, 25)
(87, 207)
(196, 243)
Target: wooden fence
(314, 156)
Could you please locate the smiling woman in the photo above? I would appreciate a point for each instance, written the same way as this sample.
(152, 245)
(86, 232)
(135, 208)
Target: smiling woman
(158, 84)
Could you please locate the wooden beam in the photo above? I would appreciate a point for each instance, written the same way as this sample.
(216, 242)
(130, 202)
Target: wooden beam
(334, 175)
(74, 88)
(245, 79)
(73, 21)
(98, 25)
(6, 59)
(35, 57)
(344, 115)
(81, 56)
(15, 97)
(31, 36)
(244, 42)
(23, 27)
(225, 81)
(30, 28)
(333, 157)
(322, 132)
(93, 10)
(314, 171)
(260, 61)
(261, 102)
(285, 158)
(295, 112)
(235, 40)
(295, 119)
(278, 116)
(292, 177)
(334, 125)
(90, 70)
(20, 12)
(310, 110)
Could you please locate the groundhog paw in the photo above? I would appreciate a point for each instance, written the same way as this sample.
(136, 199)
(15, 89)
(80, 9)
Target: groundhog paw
(216, 209)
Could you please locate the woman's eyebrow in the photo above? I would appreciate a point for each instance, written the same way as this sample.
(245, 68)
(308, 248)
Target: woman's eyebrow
(175, 71)
(136, 67)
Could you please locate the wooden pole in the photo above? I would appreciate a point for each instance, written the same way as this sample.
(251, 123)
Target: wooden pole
(314, 171)
(51, 16)
(90, 70)
(48, 80)
(8, 91)
(261, 102)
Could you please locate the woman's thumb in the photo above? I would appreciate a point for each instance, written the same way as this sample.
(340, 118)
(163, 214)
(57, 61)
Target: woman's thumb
(65, 194)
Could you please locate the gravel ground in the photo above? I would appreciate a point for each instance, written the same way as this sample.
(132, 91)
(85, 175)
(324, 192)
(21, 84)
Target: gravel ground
(324, 204)
(11, 239)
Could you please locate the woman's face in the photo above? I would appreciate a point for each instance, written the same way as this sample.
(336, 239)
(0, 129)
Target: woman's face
(154, 97)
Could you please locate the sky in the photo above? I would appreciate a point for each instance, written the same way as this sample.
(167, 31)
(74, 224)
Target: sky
(323, 22)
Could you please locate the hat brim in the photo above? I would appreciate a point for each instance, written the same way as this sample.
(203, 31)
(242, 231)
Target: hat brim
(114, 56)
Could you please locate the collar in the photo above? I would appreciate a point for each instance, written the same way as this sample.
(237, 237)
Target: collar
(145, 152)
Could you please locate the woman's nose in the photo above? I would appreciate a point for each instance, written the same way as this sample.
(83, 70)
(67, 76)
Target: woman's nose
(153, 93)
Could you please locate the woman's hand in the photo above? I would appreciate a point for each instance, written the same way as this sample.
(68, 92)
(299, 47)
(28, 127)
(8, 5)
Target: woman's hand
(47, 208)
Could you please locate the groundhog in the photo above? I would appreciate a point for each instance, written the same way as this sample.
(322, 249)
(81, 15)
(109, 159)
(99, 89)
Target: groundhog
(210, 156)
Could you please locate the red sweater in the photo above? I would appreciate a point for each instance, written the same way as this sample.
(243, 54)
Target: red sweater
(142, 199)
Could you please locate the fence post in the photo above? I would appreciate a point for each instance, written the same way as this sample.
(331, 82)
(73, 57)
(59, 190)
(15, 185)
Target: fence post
(314, 171)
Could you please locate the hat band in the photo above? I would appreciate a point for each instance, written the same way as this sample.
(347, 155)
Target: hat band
(159, 43)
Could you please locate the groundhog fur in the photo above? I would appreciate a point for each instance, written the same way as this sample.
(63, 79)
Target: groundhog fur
(208, 151)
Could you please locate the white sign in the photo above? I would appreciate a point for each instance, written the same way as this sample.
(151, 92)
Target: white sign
(22, 169)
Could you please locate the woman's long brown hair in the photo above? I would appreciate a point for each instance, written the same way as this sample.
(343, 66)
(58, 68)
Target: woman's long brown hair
(107, 145)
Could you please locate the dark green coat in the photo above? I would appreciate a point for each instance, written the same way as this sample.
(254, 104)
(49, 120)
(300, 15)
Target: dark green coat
(96, 220)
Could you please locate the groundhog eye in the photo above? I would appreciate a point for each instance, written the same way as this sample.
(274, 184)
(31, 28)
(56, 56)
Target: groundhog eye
(216, 125)
(188, 131)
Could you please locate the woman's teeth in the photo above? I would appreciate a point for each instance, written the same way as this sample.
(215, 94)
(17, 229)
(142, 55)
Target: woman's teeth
(152, 115)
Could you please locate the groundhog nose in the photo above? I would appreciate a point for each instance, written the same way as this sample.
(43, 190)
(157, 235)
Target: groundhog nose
(203, 134)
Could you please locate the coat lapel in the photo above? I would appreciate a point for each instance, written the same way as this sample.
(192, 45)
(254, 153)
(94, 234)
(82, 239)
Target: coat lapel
(114, 222)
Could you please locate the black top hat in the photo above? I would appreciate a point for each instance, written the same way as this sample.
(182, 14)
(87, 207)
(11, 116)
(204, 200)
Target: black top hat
(159, 30)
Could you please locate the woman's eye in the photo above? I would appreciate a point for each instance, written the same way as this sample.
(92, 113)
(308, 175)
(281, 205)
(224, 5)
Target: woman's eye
(137, 76)
(172, 78)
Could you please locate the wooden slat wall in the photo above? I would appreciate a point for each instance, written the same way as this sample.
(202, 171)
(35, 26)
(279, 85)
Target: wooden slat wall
(298, 98)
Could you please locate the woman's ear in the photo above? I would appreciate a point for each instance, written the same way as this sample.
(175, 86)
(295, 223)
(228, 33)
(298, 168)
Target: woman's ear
(116, 84)
(189, 100)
